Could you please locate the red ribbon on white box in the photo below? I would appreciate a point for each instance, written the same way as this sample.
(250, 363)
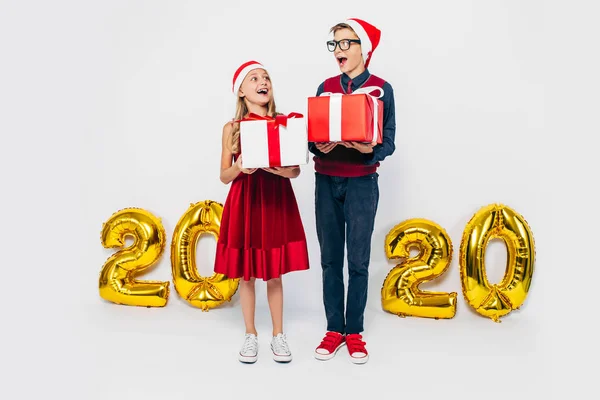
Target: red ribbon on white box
(273, 139)
(335, 115)
(279, 119)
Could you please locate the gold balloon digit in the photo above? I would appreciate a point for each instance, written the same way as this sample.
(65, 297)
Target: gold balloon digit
(400, 293)
(201, 292)
(496, 300)
(117, 278)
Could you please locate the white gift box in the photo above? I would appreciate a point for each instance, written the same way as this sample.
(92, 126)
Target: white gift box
(274, 142)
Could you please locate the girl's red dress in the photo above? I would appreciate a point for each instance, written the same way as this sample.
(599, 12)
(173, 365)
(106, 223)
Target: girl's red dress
(261, 234)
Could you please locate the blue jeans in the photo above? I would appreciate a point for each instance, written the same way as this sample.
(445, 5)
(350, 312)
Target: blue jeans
(345, 214)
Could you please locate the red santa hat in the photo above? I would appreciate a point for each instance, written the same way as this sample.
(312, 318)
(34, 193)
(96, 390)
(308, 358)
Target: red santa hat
(369, 37)
(241, 73)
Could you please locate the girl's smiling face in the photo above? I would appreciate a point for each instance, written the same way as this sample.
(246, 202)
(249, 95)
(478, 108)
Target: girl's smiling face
(256, 87)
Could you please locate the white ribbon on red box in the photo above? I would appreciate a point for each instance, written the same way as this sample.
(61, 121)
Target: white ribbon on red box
(335, 115)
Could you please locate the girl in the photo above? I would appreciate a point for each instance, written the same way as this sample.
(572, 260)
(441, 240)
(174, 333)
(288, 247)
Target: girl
(261, 234)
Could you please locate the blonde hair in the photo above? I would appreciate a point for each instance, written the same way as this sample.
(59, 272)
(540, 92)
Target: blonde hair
(241, 111)
(339, 26)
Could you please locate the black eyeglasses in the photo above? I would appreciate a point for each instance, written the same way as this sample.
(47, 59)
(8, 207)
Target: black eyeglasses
(344, 44)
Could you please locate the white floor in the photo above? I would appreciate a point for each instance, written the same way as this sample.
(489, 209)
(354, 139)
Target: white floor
(180, 352)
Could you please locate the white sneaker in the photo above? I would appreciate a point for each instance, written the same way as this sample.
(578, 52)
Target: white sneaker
(281, 349)
(249, 352)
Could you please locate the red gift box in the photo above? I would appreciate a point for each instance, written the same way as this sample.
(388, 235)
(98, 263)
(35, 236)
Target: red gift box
(356, 117)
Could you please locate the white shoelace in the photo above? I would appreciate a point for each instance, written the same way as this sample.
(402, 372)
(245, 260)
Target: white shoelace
(250, 344)
(280, 345)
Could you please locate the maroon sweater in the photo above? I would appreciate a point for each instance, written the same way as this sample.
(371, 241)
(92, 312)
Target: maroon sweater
(342, 161)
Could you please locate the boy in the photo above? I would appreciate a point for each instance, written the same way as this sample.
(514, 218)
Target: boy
(347, 194)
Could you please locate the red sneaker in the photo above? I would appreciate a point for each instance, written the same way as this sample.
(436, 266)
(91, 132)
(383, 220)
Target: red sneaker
(330, 344)
(356, 348)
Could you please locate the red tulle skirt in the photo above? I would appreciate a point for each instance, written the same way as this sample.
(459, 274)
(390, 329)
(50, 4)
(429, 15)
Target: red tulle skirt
(261, 234)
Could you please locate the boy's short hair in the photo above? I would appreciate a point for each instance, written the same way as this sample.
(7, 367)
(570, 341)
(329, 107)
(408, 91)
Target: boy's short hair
(339, 26)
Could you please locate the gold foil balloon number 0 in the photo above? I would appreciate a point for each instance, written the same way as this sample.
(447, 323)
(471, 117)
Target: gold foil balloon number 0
(201, 292)
(400, 293)
(496, 300)
(118, 283)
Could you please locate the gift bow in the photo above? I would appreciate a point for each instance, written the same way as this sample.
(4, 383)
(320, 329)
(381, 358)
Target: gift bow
(279, 119)
(363, 90)
(335, 103)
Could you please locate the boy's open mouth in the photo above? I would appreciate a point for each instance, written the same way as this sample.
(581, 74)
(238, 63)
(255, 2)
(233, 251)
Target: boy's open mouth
(342, 61)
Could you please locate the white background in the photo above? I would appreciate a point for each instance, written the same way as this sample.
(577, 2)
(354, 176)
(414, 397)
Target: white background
(113, 104)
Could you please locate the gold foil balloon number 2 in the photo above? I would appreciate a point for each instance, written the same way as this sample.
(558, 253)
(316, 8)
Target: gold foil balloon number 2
(117, 281)
(401, 295)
